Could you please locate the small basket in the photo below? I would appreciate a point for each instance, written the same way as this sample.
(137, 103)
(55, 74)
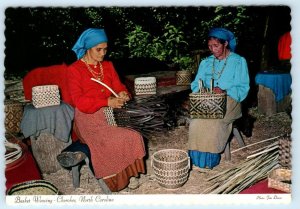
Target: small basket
(35, 187)
(208, 104)
(285, 154)
(13, 115)
(171, 167)
(44, 96)
(280, 179)
(145, 85)
(183, 77)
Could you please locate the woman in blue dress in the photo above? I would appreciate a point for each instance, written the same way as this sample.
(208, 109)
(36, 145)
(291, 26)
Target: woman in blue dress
(208, 137)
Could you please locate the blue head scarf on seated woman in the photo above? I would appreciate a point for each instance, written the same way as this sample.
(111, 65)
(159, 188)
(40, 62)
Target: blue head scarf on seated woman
(88, 39)
(222, 33)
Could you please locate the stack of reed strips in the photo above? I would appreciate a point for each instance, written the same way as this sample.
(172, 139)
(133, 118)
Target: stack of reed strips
(148, 115)
(255, 168)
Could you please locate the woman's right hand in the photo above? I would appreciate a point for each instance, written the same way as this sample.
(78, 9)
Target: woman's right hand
(115, 102)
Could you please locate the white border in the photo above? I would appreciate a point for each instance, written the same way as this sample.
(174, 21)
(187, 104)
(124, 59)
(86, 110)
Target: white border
(179, 201)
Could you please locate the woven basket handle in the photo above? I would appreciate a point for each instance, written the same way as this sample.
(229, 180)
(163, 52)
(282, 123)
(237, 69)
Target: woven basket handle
(200, 83)
(211, 85)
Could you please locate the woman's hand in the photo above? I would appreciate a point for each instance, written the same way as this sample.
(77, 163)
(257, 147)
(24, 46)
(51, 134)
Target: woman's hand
(116, 102)
(124, 95)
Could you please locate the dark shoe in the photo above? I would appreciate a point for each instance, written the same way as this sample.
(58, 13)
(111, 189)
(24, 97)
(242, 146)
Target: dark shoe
(70, 159)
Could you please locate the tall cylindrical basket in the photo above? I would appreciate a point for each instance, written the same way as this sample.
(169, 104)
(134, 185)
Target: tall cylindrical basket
(171, 167)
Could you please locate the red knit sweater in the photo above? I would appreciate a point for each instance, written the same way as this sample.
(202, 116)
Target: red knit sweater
(87, 95)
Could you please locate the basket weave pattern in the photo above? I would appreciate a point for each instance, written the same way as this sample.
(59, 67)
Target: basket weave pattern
(280, 179)
(183, 78)
(109, 115)
(13, 116)
(207, 105)
(44, 96)
(285, 154)
(145, 85)
(35, 187)
(171, 167)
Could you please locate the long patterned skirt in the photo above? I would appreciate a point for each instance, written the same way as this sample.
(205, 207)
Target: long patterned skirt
(116, 152)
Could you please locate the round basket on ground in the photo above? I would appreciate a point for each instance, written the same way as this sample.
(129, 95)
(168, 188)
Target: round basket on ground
(35, 187)
(171, 167)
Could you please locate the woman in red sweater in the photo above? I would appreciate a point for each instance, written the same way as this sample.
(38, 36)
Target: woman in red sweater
(116, 152)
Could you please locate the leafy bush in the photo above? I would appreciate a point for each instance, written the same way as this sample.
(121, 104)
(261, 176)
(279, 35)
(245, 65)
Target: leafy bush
(168, 48)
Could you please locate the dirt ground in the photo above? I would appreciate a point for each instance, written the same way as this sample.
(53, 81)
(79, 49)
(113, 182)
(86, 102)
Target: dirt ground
(264, 128)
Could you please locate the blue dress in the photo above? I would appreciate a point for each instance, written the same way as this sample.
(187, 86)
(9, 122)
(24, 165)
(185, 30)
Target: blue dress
(208, 137)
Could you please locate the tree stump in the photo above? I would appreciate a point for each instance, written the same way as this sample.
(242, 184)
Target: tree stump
(45, 148)
(267, 104)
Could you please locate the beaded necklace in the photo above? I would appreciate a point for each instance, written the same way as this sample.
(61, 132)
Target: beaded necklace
(99, 76)
(219, 73)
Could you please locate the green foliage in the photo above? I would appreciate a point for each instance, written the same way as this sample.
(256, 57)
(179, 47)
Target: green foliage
(45, 35)
(232, 18)
(167, 47)
(184, 62)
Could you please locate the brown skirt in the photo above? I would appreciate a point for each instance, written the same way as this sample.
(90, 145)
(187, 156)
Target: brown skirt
(211, 135)
(116, 152)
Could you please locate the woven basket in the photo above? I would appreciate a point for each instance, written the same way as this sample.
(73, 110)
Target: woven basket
(109, 115)
(285, 154)
(35, 187)
(208, 104)
(13, 116)
(183, 78)
(171, 167)
(44, 96)
(145, 85)
(280, 179)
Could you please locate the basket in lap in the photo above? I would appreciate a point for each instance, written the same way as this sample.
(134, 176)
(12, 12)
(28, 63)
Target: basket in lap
(209, 104)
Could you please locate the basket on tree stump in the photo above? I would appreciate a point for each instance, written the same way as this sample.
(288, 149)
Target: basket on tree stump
(45, 148)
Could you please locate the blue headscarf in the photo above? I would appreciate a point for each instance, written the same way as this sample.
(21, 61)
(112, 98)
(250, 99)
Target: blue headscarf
(88, 39)
(224, 34)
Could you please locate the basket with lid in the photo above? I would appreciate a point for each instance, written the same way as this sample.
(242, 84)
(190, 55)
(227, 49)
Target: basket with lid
(45, 95)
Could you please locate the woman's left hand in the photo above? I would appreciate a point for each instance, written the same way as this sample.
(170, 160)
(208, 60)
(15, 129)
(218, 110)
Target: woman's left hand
(124, 95)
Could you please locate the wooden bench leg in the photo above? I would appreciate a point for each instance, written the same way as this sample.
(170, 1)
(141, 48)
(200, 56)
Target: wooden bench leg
(227, 152)
(101, 183)
(76, 176)
(238, 136)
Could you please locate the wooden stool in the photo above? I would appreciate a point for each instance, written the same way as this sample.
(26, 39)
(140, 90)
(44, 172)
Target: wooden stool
(240, 141)
(76, 167)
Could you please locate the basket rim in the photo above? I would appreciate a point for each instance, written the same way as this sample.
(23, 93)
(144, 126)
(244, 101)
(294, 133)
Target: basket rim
(33, 183)
(41, 86)
(164, 150)
(207, 94)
